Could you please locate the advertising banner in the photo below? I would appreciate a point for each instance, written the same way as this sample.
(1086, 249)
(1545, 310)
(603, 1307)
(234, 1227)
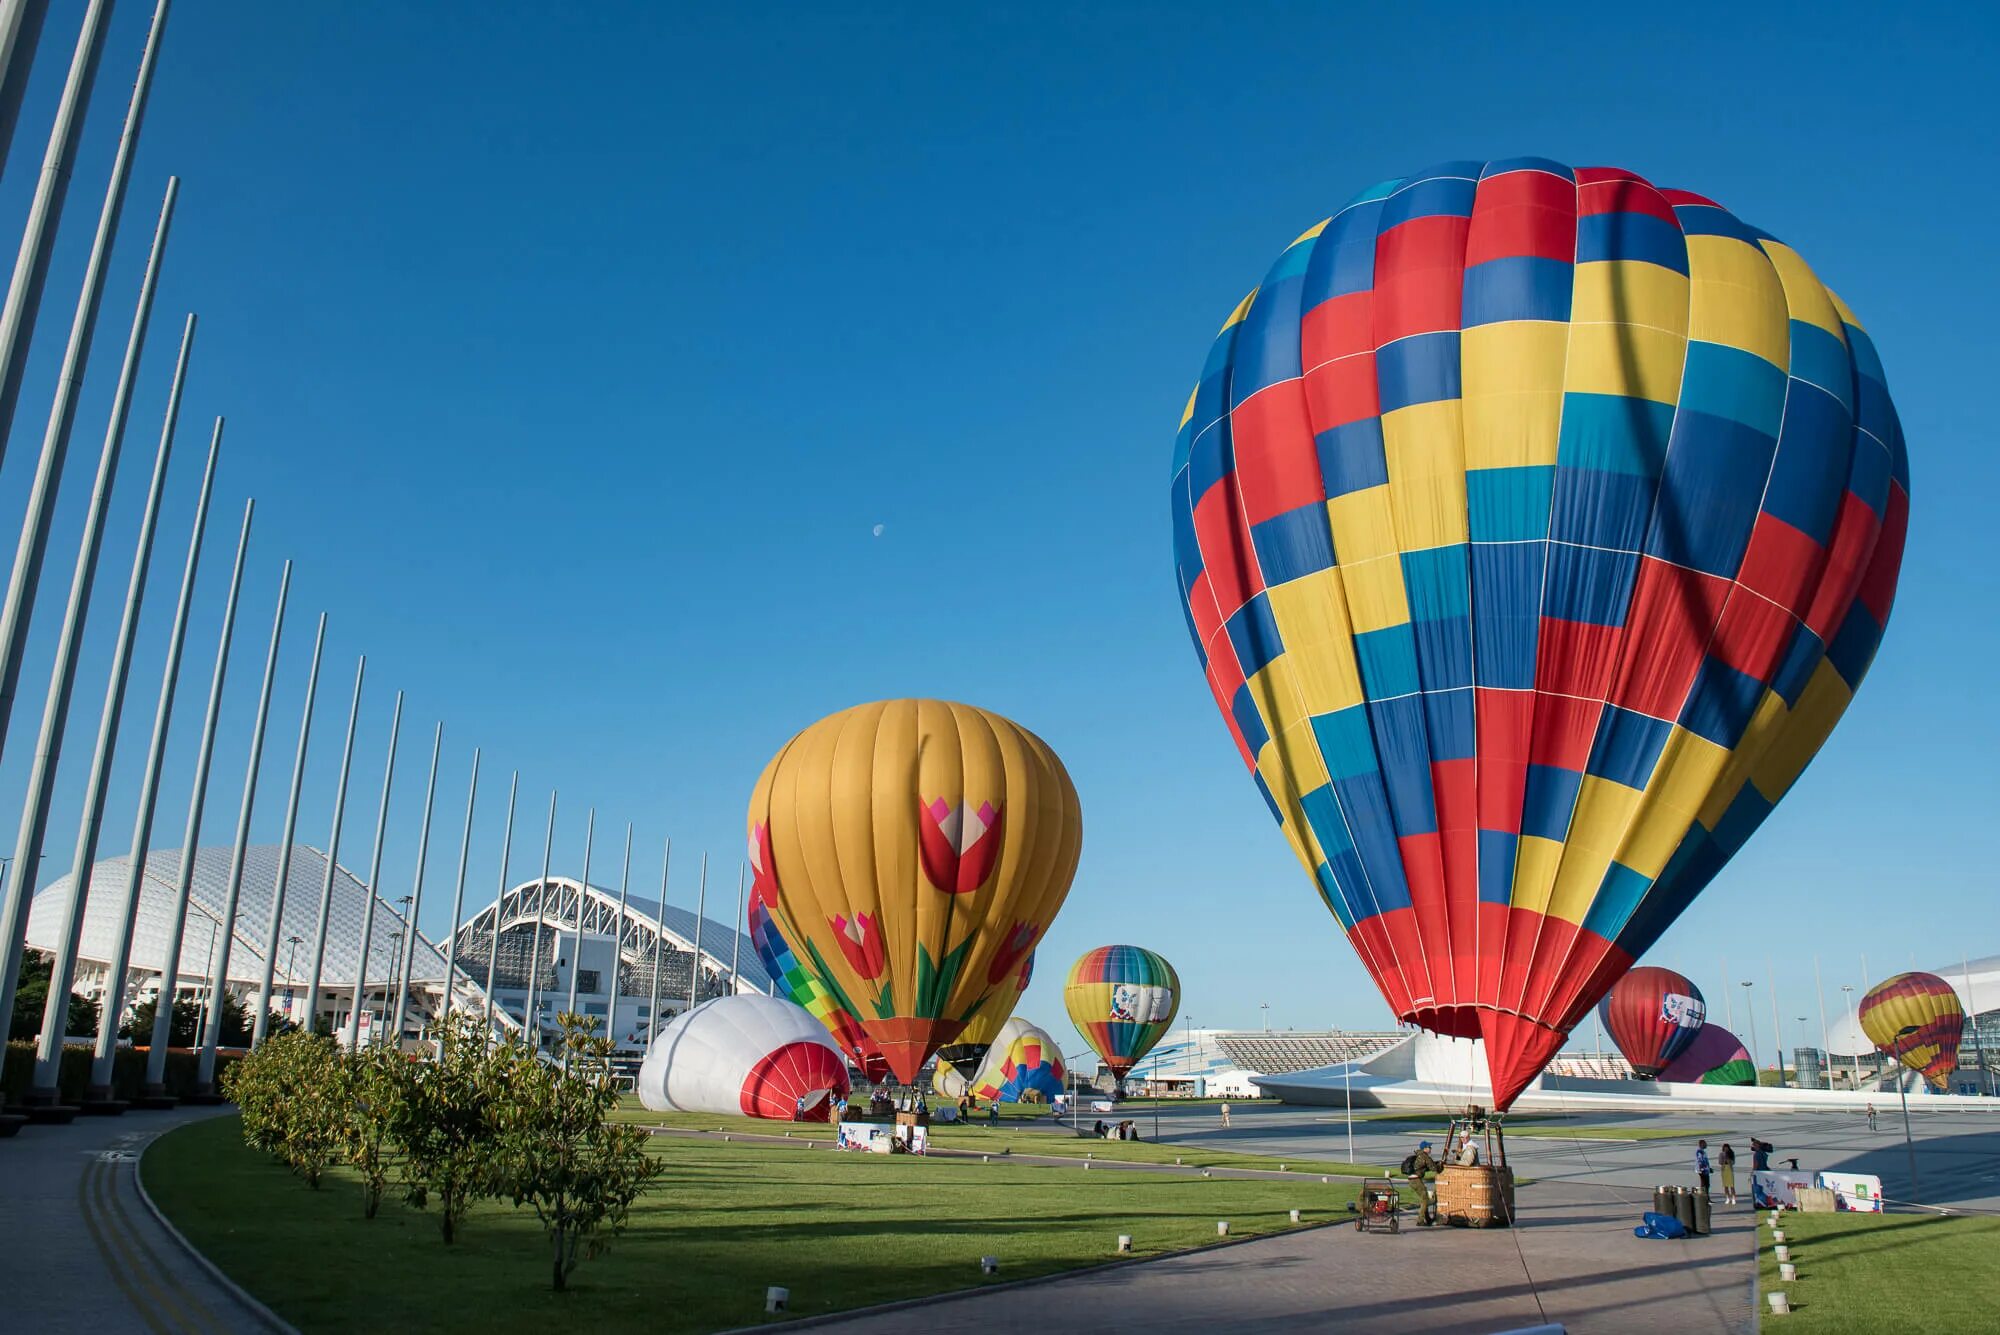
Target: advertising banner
(1854, 1191)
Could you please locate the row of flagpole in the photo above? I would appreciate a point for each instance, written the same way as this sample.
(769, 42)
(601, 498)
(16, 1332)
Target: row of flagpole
(21, 24)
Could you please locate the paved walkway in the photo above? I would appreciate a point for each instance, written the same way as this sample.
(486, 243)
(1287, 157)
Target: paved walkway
(1573, 1260)
(82, 1253)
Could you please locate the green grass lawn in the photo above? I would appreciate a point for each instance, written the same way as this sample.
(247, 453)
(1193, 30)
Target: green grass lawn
(723, 1222)
(1046, 1139)
(1863, 1273)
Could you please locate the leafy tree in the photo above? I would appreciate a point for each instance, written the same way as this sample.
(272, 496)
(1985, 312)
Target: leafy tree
(449, 1119)
(181, 1029)
(293, 1094)
(561, 1153)
(377, 1082)
(31, 998)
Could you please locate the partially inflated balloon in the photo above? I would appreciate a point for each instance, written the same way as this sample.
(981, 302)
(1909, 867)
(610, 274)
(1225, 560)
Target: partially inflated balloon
(1715, 1057)
(1534, 526)
(1652, 1015)
(1122, 999)
(911, 853)
(1926, 1004)
(1025, 1059)
(751, 1054)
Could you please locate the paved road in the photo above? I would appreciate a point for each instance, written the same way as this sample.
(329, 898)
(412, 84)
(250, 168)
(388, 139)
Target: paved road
(1573, 1260)
(82, 1252)
(1958, 1154)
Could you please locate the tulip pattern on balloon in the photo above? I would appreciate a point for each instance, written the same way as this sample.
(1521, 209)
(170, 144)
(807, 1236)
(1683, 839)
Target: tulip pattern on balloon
(1534, 527)
(909, 855)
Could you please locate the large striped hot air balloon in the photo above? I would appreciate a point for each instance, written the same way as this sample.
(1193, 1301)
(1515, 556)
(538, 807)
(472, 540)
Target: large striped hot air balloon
(911, 853)
(1922, 1002)
(1122, 999)
(1652, 1015)
(1534, 526)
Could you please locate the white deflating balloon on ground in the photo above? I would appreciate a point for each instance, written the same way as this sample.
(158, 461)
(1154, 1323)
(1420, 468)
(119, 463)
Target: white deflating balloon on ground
(748, 1054)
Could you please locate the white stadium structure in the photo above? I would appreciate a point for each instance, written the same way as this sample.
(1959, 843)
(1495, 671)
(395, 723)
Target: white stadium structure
(643, 934)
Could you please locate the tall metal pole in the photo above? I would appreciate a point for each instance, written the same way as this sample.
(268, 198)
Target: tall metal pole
(63, 971)
(582, 906)
(333, 852)
(659, 936)
(1903, 1093)
(700, 907)
(62, 673)
(19, 608)
(1825, 1040)
(38, 239)
(218, 980)
(20, 34)
(113, 1006)
(1750, 1022)
(736, 934)
(532, 1024)
(506, 851)
(155, 1089)
(458, 890)
(1777, 1025)
(274, 924)
(618, 941)
(373, 884)
(417, 893)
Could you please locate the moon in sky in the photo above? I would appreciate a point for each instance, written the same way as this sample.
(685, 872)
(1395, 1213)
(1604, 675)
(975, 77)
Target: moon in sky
(878, 530)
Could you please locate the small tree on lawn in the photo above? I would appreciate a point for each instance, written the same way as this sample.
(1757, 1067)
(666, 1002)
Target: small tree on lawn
(448, 1121)
(377, 1081)
(562, 1153)
(292, 1093)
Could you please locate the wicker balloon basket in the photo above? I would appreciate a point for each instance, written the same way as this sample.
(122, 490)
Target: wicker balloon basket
(1480, 1196)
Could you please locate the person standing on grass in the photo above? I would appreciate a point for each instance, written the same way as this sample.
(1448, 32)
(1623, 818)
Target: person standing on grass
(1225, 1117)
(1701, 1164)
(1726, 1161)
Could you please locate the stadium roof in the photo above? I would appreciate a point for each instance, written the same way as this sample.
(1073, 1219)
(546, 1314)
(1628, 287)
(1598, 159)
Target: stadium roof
(209, 892)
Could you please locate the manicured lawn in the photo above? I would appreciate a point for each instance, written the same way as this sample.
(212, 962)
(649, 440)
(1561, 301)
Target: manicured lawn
(1046, 1139)
(1861, 1273)
(722, 1223)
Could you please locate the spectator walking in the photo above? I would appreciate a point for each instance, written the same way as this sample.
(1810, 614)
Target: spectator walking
(1726, 1161)
(1225, 1116)
(1701, 1164)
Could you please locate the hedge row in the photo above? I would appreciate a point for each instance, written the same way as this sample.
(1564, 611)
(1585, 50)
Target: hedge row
(128, 1071)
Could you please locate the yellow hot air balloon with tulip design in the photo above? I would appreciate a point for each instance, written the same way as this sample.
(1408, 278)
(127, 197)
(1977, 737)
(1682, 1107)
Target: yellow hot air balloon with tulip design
(913, 852)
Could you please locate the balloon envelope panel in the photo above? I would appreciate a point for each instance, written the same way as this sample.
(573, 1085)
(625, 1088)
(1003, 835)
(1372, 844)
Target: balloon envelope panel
(1652, 1015)
(1713, 1057)
(1534, 527)
(1122, 999)
(747, 1054)
(1024, 1058)
(912, 852)
(806, 991)
(1923, 1002)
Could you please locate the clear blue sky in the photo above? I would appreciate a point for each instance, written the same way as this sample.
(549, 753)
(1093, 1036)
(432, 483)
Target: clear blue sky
(575, 355)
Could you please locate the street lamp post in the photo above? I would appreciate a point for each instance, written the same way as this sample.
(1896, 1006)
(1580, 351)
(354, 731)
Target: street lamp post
(1750, 1019)
(1903, 1093)
(291, 978)
(1265, 1006)
(1848, 990)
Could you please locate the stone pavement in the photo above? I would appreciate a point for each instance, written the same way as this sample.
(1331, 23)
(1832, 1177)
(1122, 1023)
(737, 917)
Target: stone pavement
(1572, 1260)
(79, 1250)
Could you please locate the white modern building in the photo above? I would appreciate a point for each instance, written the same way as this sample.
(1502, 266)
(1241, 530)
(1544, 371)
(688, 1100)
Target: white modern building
(647, 940)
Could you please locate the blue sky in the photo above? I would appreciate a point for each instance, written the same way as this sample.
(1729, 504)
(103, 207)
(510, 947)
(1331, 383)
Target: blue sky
(574, 356)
